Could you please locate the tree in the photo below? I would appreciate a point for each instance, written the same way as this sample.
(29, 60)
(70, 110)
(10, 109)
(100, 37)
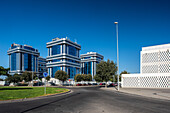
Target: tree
(61, 75)
(48, 78)
(15, 78)
(78, 78)
(87, 77)
(105, 71)
(98, 78)
(115, 78)
(124, 72)
(4, 71)
(83, 77)
(27, 76)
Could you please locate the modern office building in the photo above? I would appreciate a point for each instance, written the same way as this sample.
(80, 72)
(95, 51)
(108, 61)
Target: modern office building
(155, 59)
(42, 66)
(22, 58)
(63, 54)
(89, 61)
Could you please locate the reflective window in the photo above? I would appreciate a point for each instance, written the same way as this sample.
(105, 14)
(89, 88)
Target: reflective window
(87, 68)
(56, 49)
(71, 72)
(29, 48)
(66, 48)
(48, 51)
(78, 52)
(17, 61)
(25, 62)
(13, 61)
(30, 62)
(72, 50)
(86, 57)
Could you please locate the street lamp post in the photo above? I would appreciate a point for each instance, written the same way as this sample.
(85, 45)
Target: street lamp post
(117, 55)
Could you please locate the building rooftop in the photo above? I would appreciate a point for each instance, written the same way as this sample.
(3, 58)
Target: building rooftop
(61, 41)
(91, 54)
(23, 47)
(156, 47)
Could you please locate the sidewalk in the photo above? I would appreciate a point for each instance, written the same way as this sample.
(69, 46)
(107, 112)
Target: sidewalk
(147, 92)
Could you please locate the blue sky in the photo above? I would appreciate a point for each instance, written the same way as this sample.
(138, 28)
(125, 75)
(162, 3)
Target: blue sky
(90, 22)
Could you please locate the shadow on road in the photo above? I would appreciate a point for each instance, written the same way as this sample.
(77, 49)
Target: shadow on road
(50, 103)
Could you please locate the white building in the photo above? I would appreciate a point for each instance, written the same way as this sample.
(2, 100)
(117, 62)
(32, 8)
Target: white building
(155, 59)
(154, 69)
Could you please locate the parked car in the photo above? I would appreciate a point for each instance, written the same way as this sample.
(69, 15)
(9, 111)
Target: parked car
(116, 84)
(94, 83)
(84, 84)
(78, 84)
(89, 84)
(111, 85)
(102, 84)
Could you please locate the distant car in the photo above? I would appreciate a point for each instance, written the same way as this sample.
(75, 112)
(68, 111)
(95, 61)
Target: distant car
(116, 84)
(89, 84)
(65, 84)
(51, 83)
(94, 83)
(84, 84)
(78, 84)
(111, 85)
(102, 84)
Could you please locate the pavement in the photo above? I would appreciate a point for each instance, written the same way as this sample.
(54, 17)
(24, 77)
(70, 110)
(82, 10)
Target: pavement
(89, 100)
(147, 92)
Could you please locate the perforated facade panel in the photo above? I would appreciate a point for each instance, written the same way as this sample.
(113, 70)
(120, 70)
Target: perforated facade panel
(161, 80)
(155, 59)
(154, 69)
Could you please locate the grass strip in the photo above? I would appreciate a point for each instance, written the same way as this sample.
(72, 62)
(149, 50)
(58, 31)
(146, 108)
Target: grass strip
(10, 93)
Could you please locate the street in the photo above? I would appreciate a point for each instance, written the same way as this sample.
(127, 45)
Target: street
(89, 100)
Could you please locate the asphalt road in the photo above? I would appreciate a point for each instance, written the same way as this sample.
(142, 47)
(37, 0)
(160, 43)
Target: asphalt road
(89, 100)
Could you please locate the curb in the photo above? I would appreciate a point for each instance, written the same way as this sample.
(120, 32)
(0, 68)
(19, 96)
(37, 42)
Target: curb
(35, 98)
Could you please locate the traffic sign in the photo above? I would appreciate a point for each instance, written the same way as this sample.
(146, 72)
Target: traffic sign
(45, 74)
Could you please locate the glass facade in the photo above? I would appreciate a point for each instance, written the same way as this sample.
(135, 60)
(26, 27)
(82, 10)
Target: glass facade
(13, 61)
(67, 57)
(28, 62)
(29, 48)
(87, 68)
(66, 48)
(18, 60)
(21, 60)
(71, 72)
(56, 49)
(48, 51)
(72, 50)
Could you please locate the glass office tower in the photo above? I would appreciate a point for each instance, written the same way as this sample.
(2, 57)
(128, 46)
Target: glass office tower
(22, 58)
(89, 61)
(63, 54)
